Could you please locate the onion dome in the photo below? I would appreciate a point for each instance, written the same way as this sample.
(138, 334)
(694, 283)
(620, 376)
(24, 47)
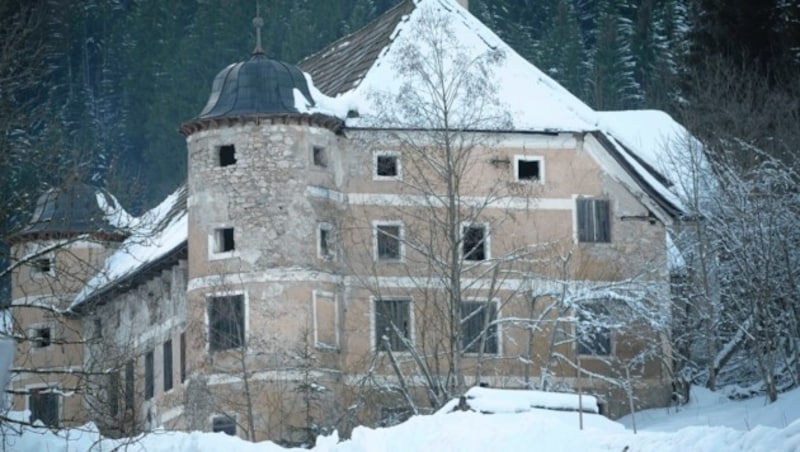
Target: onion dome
(73, 210)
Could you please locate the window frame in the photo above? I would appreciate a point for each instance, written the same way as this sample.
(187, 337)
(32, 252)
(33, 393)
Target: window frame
(317, 297)
(401, 253)
(215, 239)
(529, 158)
(39, 388)
(149, 375)
(592, 221)
(495, 304)
(167, 365)
(398, 165)
(487, 241)
(374, 301)
(241, 340)
(584, 350)
(321, 158)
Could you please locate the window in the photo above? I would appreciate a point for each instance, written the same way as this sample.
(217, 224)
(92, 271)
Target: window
(113, 393)
(320, 157)
(167, 365)
(392, 316)
(43, 404)
(326, 321)
(325, 242)
(183, 357)
(388, 242)
(529, 169)
(98, 327)
(223, 240)
(593, 220)
(43, 265)
(224, 424)
(225, 322)
(149, 383)
(475, 242)
(130, 384)
(387, 165)
(227, 155)
(593, 336)
(477, 317)
(41, 337)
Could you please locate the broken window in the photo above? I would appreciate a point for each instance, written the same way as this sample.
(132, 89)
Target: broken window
(593, 336)
(149, 380)
(223, 240)
(478, 317)
(320, 157)
(387, 238)
(227, 155)
(113, 393)
(167, 348)
(474, 242)
(529, 169)
(593, 220)
(42, 265)
(43, 404)
(387, 165)
(225, 322)
(392, 320)
(326, 335)
(42, 337)
(224, 424)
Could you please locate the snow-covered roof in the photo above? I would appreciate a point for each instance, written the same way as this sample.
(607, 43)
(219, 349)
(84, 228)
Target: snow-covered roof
(157, 234)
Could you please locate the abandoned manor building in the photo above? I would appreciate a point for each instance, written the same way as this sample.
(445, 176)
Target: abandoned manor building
(352, 246)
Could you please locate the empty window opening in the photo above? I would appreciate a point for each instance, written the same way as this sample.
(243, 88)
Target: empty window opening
(320, 156)
(224, 424)
(43, 265)
(529, 170)
(474, 243)
(113, 393)
(393, 321)
(223, 240)
(593, 220)
(130, 384)
(326, 243)
(386, 166)
(43, 404)
(183, 357)
(149, 381)
(42, 337)
(593, 335)
(478, 326)
(227, 155)
(167, 365)
(225, 322)
(388, 242)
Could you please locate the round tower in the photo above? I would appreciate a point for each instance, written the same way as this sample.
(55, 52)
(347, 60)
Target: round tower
(260, 234)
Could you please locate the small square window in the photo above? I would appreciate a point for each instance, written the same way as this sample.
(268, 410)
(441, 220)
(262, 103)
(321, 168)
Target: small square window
(227, 155)
(474, 243)
(320, 157)
(224, 424)
(529, 169)
(42, 265)
(42, 337)
(386, 166)
(223, 240)
(388, 242)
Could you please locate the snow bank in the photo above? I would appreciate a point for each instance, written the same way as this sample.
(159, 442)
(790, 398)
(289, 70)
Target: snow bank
(490, 400)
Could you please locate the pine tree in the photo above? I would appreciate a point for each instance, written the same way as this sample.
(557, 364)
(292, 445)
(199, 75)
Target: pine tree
(613, 81)
(561, 50)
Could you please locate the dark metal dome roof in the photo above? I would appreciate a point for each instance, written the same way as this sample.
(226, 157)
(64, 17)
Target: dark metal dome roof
(76, 209)
(256, 86)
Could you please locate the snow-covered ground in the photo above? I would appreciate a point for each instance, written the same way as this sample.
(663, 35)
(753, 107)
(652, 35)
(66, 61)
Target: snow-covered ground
(710, 422)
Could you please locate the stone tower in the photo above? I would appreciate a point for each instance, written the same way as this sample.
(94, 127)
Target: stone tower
(255, 154)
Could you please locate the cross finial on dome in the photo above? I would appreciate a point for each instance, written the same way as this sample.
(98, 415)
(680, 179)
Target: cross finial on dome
(258, 22)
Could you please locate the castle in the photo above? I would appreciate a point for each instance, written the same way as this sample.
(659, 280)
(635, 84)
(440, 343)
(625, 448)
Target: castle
(348, 250)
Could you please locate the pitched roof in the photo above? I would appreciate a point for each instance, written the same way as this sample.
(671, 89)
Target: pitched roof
(340, 66)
